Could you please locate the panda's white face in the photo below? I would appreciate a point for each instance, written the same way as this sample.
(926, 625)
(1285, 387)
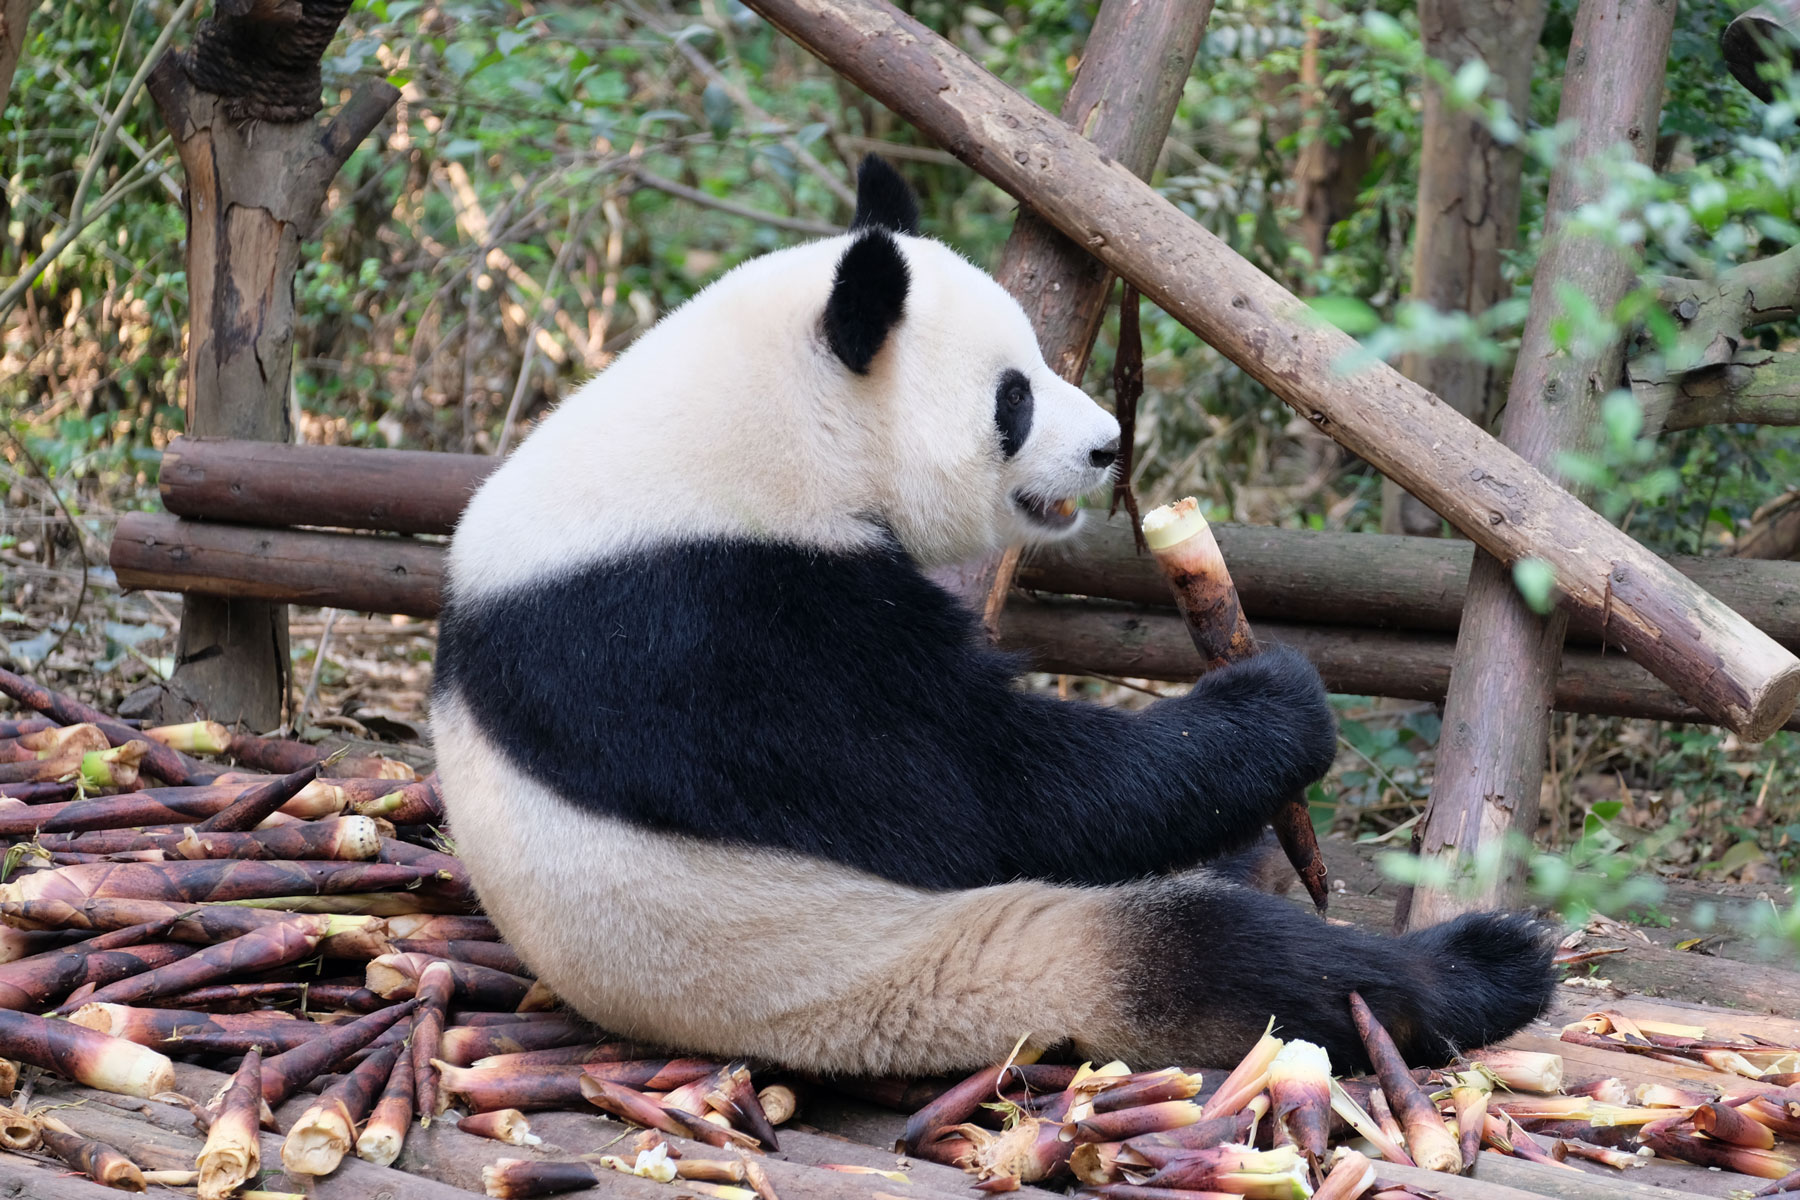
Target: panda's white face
(988, 446)
(829, 395)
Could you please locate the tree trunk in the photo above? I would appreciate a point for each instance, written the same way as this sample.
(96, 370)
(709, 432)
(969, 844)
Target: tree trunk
(1706, 652)
(13, 17)
(1496, 716)
(1468, 208)
(240, 105)
(1132, 70)
(1328, 172)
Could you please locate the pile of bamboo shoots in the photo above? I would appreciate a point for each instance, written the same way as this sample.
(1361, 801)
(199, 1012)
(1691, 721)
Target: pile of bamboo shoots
(1280, 1127)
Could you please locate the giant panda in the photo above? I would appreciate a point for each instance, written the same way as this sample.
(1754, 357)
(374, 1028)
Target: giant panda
(733, 776)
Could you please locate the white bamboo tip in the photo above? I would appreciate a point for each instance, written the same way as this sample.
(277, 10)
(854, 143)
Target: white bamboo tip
(1173, 524)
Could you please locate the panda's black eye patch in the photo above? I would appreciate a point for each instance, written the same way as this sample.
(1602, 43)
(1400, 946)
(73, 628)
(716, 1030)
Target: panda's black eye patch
(1012, 411)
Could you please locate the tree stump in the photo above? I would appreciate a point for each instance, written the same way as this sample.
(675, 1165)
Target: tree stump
(240, 105)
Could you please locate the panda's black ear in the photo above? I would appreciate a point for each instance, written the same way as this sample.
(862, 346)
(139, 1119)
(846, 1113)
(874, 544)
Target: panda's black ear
(883, 201)
(868, 298)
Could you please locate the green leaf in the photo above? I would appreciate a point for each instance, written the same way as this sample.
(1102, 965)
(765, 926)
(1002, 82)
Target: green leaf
(510, 40)
(1470, 82)
(1536, 581)
(1384, 31)
(1623, 418)
(721, 113)
(1348, 313)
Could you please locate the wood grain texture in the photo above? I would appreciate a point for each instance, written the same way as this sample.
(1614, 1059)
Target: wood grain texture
(1719, 661)
(1497, 713)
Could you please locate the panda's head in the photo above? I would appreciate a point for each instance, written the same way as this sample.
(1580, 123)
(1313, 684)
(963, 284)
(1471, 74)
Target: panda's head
(980, 443)
(837, 394)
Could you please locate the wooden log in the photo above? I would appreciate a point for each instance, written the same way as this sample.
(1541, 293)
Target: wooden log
(1711, 655)
(266, 483)
(158, 552)
(1300, 576)
(1138, 643)
(1288, 575)
(1122, 100)
(13, 17)
(252, 193)
(1497, 714)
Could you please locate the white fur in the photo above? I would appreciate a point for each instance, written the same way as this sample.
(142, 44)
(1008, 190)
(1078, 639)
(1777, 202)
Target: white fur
(732, 418)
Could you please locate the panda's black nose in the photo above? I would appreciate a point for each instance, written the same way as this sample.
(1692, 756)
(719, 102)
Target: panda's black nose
(1105, 456)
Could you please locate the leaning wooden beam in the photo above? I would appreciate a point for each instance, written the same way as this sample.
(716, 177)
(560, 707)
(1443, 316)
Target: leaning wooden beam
(1134, 64)
(1406, 583)
(1702, 649)
(1497, 714)
(1074, 638)
(400, 575)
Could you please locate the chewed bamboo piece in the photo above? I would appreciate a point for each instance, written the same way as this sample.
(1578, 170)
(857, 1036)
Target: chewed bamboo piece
(321, 1136)
(507, 1125)
(98, 1161)
(1189, 556)
(385, 1133)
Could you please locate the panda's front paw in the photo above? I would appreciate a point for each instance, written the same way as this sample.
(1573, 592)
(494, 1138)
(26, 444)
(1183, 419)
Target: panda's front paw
(1283, 714)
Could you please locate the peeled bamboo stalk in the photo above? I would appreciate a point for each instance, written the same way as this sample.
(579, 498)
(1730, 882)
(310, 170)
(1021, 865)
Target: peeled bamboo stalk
(1523, 1070)
(1427, 1138)
(209, 880)
(501, 1125)
(1619, 1160)
(232, 1153)
(1469, 1098)
(259, 950)
(97, 769)
(779, 1102)
(98, 1161)
(291, 1070)
(320, 1137)
(54, 742)
(94, 1059)
(1184, 546)
(1351, 1175)
(385, 1133)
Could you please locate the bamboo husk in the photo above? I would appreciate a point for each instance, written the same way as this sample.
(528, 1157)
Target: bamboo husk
(1351, 1175)
(1201, 1135)
(208, 880)
(518, 1179)
(259, 950)
(1786, 1183)
(546, 1087)
(501, 1125)
(1619, 1160)
(1137, 1191)
(395, 975)
(320, 1137)
(1782, 1119)
(1184, 546)
(167, 1028)
(98, 1161)
(464, 1044)
(953, 1107)
(420, 803)
(291, 1070)
(1278, 1174)
(1148, 1088)
(1300, 1095)
(1727, 1124)
(1427, 1138)
(385, 1133)
(85, 1056)
(18, 1131)
(733, 1094)
(349, 936)
(633, 1106)
(1131, 1122)
(1247, 1079)
(496, 956)
(1385, 1136)
(1523, 1070)
(1745, 1160)
(232, 1153)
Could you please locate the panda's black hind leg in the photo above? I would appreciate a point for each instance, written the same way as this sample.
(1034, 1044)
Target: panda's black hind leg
(1208, 963)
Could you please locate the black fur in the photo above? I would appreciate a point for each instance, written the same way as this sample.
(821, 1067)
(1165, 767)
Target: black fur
(868, 298)
(1013, 403)
(845, 707)
(1240, 957)
(883, 199)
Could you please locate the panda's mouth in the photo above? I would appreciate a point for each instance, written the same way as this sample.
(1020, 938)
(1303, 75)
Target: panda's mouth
(1051, 514)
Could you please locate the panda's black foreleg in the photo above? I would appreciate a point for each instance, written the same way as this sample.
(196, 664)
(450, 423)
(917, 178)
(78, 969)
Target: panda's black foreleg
(1210, 963)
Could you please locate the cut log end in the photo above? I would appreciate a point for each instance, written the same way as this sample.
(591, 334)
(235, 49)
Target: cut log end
(1771, 707)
